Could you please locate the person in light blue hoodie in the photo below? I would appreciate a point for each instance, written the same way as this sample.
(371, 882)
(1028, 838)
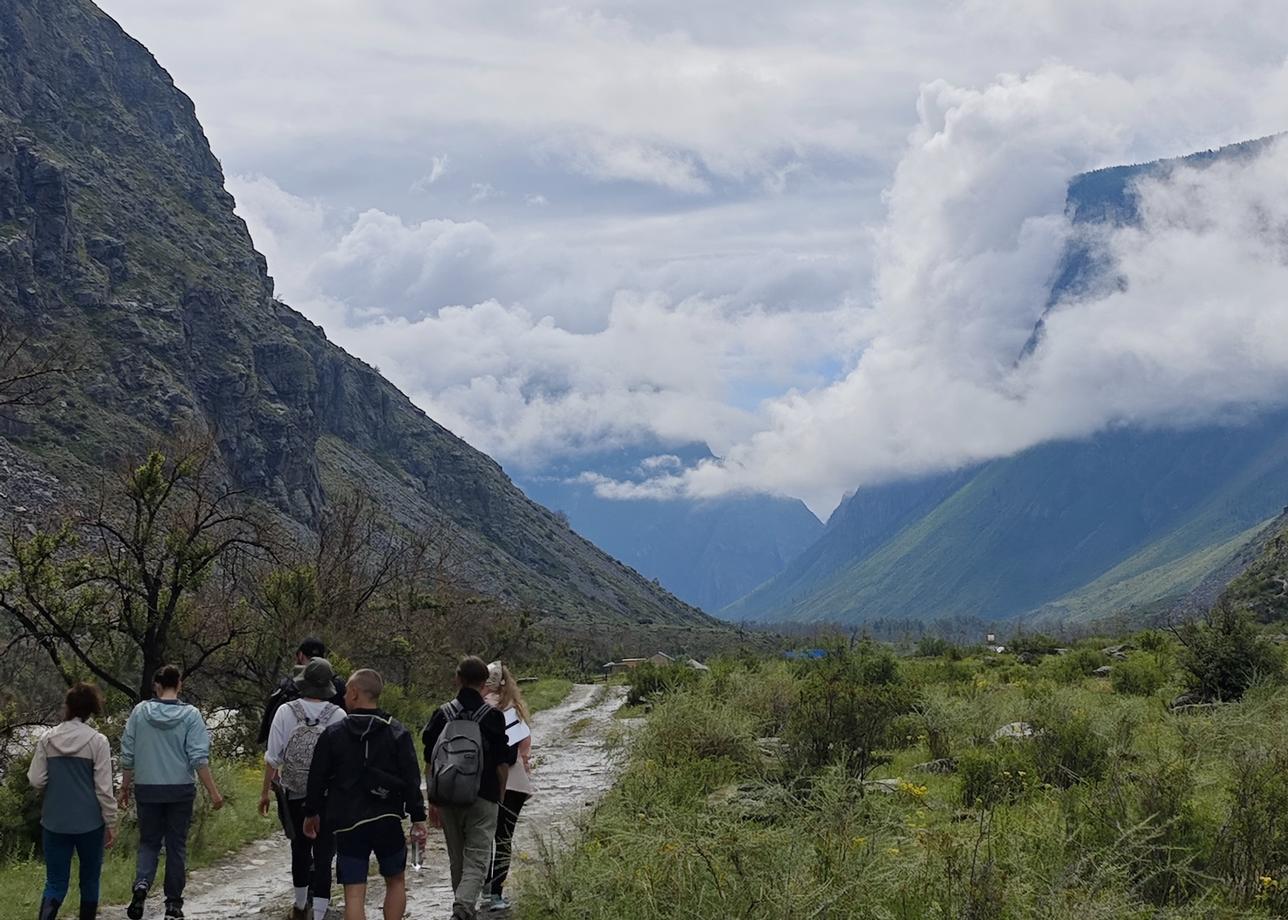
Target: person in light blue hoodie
(165, 743)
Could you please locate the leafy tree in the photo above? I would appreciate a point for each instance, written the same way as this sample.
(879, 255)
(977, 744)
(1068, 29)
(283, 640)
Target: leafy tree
(847, 705)
(150, 576)
(1223, 654)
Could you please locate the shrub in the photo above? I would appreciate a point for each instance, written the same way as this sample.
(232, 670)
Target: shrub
(993, 777)
(649, 679)
(1067, 749)
(935, 647)
(19, 811)
(848, 703)
(1032, 644)
(1223, 655)
(1254, 841)
(690, 726)
(1073, 667)
(1139, 675)
(768, 695)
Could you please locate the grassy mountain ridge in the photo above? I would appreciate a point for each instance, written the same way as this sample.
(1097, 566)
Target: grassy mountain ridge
(119, 241)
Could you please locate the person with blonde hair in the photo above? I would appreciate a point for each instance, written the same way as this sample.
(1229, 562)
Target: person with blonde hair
(502, 692)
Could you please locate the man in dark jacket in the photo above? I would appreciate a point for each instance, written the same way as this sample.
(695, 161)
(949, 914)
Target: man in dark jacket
(469, 830)
(363, 781)
(288, 690)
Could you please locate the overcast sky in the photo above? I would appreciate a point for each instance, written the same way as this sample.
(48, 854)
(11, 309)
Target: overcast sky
(812, 234)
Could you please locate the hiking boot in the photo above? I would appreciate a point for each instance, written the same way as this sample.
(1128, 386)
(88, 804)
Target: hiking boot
(49, 908)
(174, 910)
(299, 913)
(89, 910)
(137, 897)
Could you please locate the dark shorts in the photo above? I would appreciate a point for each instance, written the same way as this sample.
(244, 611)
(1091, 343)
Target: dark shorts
(353, 849)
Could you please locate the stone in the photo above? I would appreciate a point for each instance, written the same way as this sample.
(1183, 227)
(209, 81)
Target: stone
(1014, 731)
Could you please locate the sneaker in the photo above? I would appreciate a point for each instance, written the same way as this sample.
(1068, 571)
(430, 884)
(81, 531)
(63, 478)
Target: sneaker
(137, 897)
(173, 910)
(497, 903)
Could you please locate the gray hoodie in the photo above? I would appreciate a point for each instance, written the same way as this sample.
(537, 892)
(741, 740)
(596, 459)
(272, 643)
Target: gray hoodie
(165, 741)
(73, 764)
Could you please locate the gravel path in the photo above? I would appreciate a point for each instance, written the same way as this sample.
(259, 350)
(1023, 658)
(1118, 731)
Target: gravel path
(572, 768)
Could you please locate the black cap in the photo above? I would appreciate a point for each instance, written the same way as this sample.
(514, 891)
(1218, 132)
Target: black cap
(312, 647)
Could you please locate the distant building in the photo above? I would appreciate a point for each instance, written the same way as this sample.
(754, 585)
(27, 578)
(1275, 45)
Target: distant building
(661, 659)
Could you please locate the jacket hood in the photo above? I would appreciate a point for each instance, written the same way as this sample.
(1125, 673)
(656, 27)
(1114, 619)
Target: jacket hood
(70, 738)
(165, 714)
(365, 723)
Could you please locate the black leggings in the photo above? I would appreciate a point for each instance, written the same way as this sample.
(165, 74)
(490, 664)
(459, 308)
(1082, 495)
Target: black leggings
(310, 859)
(507, 817)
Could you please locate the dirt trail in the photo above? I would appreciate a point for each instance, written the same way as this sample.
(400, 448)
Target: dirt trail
(571, 769)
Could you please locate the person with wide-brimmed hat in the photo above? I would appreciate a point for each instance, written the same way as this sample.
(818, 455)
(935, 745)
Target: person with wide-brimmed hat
(297, 726)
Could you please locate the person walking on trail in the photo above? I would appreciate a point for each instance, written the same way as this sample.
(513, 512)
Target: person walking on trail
(72, 764)
(503, 693)
(292, 739)
(288, 690)
(363, 781)
(309, 648)
(164, 744)
(467, 766)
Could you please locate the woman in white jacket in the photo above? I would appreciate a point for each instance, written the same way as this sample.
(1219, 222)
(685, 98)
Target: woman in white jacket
(502, 692)
(73, 765)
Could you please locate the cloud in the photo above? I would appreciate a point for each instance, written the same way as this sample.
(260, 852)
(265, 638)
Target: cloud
(816, 235)
(1198, 332)
(437, 169)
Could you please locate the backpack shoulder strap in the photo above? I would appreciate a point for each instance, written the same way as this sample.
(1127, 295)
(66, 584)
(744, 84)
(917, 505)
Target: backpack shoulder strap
(481, 713)
(297, 709)
(452, 710)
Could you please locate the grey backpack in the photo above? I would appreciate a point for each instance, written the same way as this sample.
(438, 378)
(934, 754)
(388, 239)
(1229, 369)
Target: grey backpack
(456, 764)
(298, 755)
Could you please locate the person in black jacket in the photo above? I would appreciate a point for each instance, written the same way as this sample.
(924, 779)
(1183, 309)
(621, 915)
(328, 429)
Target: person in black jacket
(363, 781)
(469, 830)
(287, 689)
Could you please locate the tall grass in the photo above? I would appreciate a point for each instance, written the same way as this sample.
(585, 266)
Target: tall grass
(1113, 807)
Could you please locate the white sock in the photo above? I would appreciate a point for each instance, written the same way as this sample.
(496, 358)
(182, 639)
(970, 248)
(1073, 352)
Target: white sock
(302, 897)
(320, 906)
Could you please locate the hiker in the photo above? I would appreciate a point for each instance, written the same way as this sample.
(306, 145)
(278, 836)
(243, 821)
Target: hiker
(467, 765)
(503, 694)
(292, 739)
(72, 763)
(164, 743)
(363, 781)
(309, 648)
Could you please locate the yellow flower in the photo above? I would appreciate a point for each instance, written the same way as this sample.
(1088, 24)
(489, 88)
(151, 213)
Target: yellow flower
(893, 851)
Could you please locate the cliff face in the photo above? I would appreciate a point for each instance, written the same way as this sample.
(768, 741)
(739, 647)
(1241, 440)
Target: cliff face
(119, 242)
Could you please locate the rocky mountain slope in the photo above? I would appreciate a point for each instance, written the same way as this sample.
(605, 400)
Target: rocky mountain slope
(1129, 520)
(708, 553)
(118, 241)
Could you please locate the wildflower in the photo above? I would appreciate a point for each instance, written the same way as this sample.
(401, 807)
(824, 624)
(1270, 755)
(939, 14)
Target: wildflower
(893, 851)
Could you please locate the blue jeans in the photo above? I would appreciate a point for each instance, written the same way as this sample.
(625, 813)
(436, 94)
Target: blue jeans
(58, 863)
(164, 823)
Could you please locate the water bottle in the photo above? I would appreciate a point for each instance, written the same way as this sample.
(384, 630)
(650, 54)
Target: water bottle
(417, 854)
